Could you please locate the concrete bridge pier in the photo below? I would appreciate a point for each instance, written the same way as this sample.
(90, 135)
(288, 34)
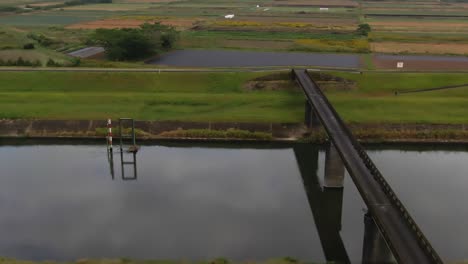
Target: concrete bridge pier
(375, 249)
(311, 119)
(334, 168)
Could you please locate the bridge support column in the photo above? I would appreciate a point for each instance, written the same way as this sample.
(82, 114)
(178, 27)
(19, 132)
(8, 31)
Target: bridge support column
(311, 119)
(375, 249)
(334, 168)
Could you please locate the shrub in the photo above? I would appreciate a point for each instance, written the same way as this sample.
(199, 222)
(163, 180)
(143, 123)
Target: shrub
(52, 63)
(28, 46)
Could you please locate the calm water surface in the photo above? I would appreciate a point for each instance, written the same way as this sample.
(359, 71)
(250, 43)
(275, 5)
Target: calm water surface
(60, 202)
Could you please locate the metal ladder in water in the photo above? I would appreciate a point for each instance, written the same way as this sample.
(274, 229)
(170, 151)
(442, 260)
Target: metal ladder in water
(132, 149)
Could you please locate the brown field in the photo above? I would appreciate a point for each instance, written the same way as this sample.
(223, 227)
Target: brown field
(423, 4)
(288, 24)
(432, 48)
(105, 7)
(149, 1)
(44, 4)
(310, 20)
(314, 3)
(441, 9)
(264, 25)
(132, 23)
(420, 26)
(414, 64)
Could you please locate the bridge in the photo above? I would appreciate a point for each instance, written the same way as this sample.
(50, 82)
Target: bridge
(399, 231)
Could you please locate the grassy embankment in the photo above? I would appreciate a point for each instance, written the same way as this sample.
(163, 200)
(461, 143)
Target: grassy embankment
(367, 98)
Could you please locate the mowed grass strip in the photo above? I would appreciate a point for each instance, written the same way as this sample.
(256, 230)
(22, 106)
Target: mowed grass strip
(221, 97)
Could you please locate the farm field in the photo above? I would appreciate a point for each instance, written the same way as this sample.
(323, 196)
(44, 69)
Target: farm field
(297, 20)
(240, 97)
(414, 48)
(397, 27)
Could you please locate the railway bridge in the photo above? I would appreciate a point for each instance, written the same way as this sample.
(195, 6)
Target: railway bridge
(400, 232)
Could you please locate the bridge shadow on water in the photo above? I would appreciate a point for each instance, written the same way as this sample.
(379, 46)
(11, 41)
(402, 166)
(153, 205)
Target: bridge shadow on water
(326, 203)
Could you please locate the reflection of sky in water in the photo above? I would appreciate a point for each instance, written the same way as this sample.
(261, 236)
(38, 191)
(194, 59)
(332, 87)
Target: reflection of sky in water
(187, 203)
(198, 203)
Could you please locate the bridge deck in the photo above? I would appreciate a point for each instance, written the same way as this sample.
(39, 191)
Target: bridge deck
(401, 233)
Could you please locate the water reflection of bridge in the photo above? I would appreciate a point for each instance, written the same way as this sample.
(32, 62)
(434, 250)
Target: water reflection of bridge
(402, 235)
(326, 203)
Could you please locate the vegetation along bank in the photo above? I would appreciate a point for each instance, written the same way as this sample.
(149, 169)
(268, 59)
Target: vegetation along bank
(369, 99)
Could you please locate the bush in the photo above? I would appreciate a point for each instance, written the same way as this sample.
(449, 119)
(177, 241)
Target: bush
(52, 63)
(28, 46)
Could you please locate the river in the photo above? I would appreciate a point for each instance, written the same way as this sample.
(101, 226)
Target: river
(252, 202)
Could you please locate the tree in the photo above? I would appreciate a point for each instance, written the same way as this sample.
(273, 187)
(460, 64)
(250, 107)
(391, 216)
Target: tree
(363, 29)
(162, 35)
(135, 43)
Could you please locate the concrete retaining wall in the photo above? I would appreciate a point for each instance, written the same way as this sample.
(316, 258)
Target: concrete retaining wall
(16, 128)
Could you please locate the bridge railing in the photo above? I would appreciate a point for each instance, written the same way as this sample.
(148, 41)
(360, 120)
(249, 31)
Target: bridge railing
(422, 240)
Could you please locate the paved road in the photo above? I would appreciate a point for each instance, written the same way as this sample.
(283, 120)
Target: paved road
(229, 58)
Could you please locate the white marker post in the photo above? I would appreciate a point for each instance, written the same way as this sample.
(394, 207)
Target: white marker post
(400, 65)
(109, 134)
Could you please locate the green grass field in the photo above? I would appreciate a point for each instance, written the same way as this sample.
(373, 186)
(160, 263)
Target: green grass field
(223, 97)
(165, 96)
(375, 101)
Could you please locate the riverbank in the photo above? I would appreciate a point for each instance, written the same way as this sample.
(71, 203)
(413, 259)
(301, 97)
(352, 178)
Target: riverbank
(232, 131)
